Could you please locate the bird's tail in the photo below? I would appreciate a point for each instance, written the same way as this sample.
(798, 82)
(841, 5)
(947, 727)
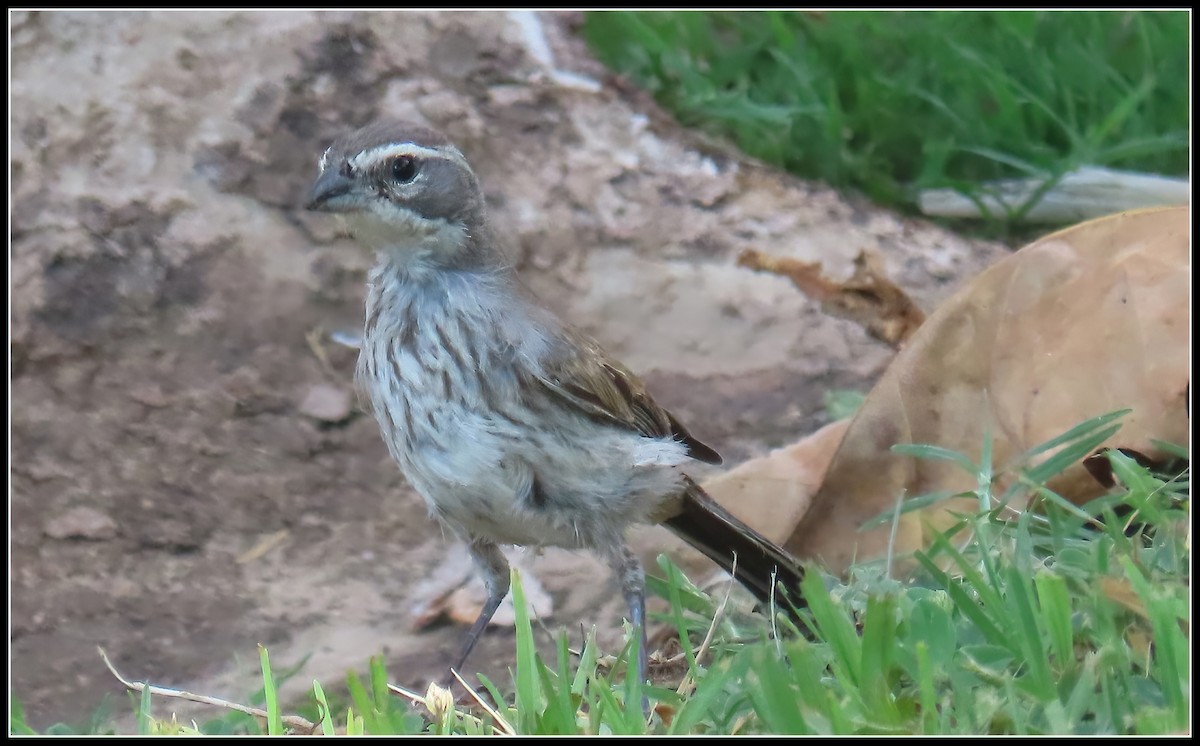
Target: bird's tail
(760, 565)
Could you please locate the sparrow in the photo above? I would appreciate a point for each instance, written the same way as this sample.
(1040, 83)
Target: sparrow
(512, 425)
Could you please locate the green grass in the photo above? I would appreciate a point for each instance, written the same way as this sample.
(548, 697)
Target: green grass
(1066, 620)
(893, 102)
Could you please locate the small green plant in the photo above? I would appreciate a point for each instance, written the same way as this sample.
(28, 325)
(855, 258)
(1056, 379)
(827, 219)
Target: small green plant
(98, 723)
(16, 719)
(1065, 620)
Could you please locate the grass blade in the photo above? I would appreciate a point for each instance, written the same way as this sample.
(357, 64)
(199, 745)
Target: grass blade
(323, 709)
(833, 626)
(529, 700)
(1055, 606)
(878, 648)
(274, 717)
(355, 724)
(1021, 601)
(936, 453)
(493, 691)
(1087, 427)
(362, 701)
(774, 699)
(381, 699)
(16, 719)
(145, 721)
(911, 504)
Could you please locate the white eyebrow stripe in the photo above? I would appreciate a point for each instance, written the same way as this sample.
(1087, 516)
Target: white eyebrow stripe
(367, 158)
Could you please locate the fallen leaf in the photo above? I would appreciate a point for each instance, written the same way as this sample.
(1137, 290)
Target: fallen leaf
(1141, 643)
(1086, 321)
(1120, 591)
(868, 298)
(771, 493)
(456, 592)
(465, 603)
(428, 598)
(665, 712)
(1101, 469)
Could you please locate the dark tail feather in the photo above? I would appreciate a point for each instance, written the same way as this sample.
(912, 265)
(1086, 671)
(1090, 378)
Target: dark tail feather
(708, 527)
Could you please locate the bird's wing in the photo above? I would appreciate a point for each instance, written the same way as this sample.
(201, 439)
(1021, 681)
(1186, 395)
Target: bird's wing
(585, 377)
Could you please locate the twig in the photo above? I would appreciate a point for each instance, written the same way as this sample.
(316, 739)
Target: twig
(869, 298)
(688, 682)
(408, 694)
(295, 722)
(533, 35)
(741, 722)
(268, 543)
(502, 725)
(1087, 192)
(313, 338)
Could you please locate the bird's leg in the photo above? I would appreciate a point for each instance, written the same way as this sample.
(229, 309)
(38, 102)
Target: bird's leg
(633, 586)
(492, 564)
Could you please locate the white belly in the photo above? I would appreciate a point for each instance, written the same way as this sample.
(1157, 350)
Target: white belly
(572, 489)
(492, 455)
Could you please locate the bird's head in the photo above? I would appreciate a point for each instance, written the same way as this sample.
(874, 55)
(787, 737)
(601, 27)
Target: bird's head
(401, 186)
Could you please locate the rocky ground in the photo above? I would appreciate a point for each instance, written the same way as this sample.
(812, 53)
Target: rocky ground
(189, 475)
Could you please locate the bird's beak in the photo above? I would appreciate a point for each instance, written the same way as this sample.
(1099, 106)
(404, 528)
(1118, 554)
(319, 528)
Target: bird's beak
(332, 193)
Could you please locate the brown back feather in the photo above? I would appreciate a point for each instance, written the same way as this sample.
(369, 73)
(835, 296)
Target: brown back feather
(585, 377)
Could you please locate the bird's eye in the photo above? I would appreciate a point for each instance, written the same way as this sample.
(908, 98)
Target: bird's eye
(404, 168)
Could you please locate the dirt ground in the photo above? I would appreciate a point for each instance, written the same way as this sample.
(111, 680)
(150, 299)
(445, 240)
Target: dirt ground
(176, 495)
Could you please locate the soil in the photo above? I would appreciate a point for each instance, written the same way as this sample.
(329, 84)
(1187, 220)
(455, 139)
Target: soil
(188, 474)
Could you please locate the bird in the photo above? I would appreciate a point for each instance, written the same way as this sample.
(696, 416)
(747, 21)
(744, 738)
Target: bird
(513, 426)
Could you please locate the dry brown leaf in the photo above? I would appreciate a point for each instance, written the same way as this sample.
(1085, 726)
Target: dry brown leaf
(1120, 591)
(1140, 642)
(455, 591)
(1086, 321)
(868, 298)
(464, 604)
(1101, 469)
(771, 493)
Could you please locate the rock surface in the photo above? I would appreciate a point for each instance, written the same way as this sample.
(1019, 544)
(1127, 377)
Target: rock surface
(327, 403)
(82, 523)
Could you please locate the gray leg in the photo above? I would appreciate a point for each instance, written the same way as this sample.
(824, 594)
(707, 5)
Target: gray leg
(633, 586)
(491, 563)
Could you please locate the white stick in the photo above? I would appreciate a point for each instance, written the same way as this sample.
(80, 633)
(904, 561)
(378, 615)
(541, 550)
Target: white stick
(1085, 193)
(294, 722)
